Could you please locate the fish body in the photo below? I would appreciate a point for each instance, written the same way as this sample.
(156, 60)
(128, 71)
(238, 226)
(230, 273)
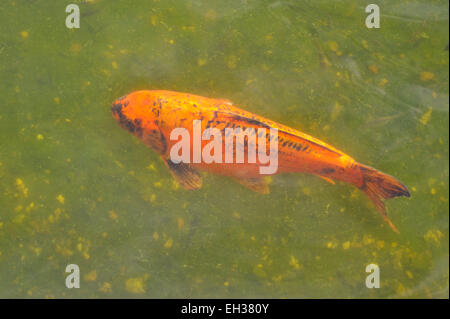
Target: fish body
(153, 115)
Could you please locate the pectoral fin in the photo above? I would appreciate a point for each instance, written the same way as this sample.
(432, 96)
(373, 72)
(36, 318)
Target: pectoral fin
(257, 184)
(156, 141)
(187, 176)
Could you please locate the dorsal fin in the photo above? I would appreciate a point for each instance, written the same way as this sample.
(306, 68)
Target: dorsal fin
(226, 101)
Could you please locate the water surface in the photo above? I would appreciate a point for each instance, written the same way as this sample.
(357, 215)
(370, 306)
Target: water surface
(77, 189)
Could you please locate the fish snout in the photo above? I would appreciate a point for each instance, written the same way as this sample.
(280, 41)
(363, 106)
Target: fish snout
(117, 105)
(121, 114)
(118, 108)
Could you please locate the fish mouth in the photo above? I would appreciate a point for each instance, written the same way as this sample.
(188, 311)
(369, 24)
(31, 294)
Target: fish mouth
(117, 105)
(116, 108)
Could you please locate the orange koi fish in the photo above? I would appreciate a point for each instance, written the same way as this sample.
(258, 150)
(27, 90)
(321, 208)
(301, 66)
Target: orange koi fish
(153, 115)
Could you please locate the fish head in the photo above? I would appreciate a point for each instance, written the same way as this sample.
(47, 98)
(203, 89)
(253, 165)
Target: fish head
(136, 112)
(139, 113)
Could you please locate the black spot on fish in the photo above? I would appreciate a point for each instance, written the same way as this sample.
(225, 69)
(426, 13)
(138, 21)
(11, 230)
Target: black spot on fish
(123, 120)
(327, 170)
(138, 126)
(155, 111)
(245, 141)
(117, 108)
(163, 141)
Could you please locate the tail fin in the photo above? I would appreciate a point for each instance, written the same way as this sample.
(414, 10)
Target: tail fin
(378, 186)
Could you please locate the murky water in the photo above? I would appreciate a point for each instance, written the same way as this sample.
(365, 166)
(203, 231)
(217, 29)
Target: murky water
(77, 189)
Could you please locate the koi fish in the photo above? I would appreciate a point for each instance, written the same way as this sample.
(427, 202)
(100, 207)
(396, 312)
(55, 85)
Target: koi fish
(152, 115)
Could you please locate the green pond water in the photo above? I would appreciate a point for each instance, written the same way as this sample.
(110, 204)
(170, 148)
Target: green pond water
(75, 188)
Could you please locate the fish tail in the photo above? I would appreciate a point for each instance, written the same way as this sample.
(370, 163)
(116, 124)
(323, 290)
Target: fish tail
(378, 186)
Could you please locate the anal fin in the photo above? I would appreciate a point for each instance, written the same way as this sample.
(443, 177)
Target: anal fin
(257, 184)
(329, 180)
(187, 176)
